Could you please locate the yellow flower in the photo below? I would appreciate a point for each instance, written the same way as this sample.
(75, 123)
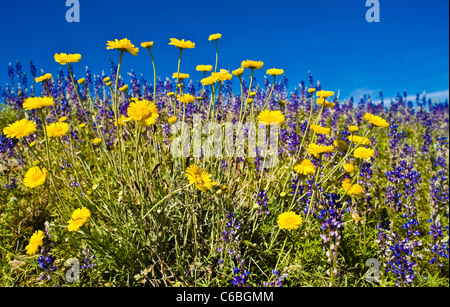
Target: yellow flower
(82, 125)
(324, 94)
(170, 94)
(209, 80)
(141, 109)
(376, 120)
(363, 153)
(356, 217)
(124, 88)
(198, 177)
(342, 145)
(62, 119)
(320, 130)
(353, 129)
(304, 167)
(321, 101)
(312, 90)
(238, 72)
(107, 79)
(274, 72)
(43, 78)
(317, 150)
(186, 98)
(96, 141)
(252, 64)
(122, 45)
(81, 81)
(359, 140)
(36, 241)
(182, 44)
(222, 75)
(33, 103)
(122, 120)
(289, 220)
(352, 190)
(204, 68)
(79, 218)
(57, 129)
(215, 37)
(20, 129)
(32, 144)
(64, 58)
(172, 120)
(348, 168)
(147, 45)
(180, 75)
(35, 177)
(267, 117)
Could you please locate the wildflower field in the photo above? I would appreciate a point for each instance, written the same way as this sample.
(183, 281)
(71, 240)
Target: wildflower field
(108, 180)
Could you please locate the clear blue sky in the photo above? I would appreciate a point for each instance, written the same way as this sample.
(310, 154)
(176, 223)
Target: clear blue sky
(408, 50)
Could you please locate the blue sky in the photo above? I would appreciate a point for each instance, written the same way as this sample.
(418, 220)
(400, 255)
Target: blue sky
(407, 50)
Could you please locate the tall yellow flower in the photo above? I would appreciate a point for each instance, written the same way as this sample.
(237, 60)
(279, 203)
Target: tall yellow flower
(43, 78)
(182, 44)
(180, 76)
(304, 167)
(64, 58)
(289, 220)
(186, 98)
(122, 45)
(352, 190)
(33, 103)
(222, 75)
(79, 218)
(143, 111)
(376, 120)
(267, 117)
(363, 153)
(58, 129)
(204, 68)
(35, 177)
(323, 102)
(20, 129)
(214, 37)
(324, 94)
(238, 72)
(274, 72)
(317, 150)
(359, 140)
(198, 177)
(252, 64)
(348, 168)
(147, 45)
(36, 241)
(353, 129)
(320, 130)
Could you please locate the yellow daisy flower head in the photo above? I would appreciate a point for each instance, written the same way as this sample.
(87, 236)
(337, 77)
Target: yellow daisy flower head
(182, 44)
(363, 153)
(124, 88)
(348, 168)
(33, 103)
(147, 45)
(96, 141)
(376, 120)
(324, 94)
(180, 76)
(79, 218)
(341, 145)
(304, 167)
(63, 58)
(57, 129)
(209, 80)
(274, 72)
(204, 68)
(35, 177)
(43, 78)
(36, 241)
(238, 72)
(317, 150)
(107, 79)
(222, 75)
(267, 117)
(172, 120)
(320, 130)
(214, 37)
(122, 45)
(323, 102)
(198, 177)
(82, 125)
(252, 64)
(81, 81)
(62, 119)
(122, 120)
(353, 129)
(20, 129)
(289, 220)
(186, 98)
(312, 90)
(359, 140)
(351, 190)
(141, 109)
